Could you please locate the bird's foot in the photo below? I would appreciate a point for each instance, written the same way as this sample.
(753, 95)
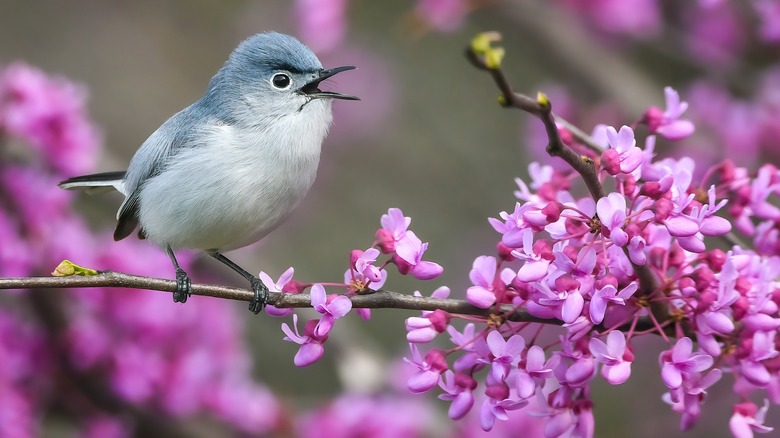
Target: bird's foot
(183, 287)
(261, 295)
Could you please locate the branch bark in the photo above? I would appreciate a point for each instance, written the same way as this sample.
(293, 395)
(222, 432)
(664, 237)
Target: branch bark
(377, 300)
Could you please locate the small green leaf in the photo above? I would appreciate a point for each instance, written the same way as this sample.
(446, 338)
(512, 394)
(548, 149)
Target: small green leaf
(66, 268)
(481, 46)
(542, 99)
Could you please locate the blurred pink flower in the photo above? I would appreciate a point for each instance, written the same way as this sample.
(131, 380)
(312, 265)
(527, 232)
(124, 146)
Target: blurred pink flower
(50, 114)
(374, 82)
(638, 18)
(715, 35)
(442, 15)
(768, 12)
(106, 427)
(25, 371)
(360, 415)
(322, 24)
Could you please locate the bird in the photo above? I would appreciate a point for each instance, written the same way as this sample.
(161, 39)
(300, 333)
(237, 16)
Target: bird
(227, 170)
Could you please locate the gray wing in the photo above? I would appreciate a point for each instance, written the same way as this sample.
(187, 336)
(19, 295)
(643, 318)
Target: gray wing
(151, 159)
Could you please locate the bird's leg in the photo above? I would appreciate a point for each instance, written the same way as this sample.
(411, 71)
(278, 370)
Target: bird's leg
(183, 284)
(261, 291)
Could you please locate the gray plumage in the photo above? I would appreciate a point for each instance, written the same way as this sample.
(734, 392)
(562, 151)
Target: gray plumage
(228, 169)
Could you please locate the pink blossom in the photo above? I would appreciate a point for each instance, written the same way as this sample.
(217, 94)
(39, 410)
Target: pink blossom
(482, 277)
(668, 123)
(566, 299)
(762, 348)
(505, 353)
(687, 399)
(612, 213)
(622, 156)
(394, 226)
(497, 409)
(331, 308)
(365, 265)
(458, 388)
(284, 284)
(536, 265)
(428, 370)
(532, 375)
(311, 349)
(424, 329)
(748, 418)
(680, 362)
(409, 251)
(614, 355)
(609, 294)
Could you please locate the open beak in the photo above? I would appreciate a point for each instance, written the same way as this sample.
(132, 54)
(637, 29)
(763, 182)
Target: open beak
(311, 89)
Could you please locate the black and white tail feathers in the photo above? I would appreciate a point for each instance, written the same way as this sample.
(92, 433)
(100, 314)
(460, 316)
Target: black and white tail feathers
(127, 216)
(96, 183)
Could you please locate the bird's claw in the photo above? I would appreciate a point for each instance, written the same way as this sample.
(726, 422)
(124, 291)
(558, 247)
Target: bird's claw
(183, 287)
(261, 296)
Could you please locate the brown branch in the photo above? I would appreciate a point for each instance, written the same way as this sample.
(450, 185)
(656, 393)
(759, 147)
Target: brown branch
(377, 300)
(555, 147)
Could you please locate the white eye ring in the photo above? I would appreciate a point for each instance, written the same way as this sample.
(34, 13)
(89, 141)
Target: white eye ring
(281, 81)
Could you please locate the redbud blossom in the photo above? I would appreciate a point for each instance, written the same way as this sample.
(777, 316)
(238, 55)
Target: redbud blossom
(668, 123)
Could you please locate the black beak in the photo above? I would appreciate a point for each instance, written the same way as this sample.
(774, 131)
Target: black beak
(311, 89)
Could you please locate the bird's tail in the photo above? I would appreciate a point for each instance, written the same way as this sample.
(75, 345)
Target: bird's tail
(96, 183)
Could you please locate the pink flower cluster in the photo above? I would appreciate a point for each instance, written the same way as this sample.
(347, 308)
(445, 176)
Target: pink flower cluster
(364, 275)
(711, 31)
(176, 360)
(642, 259)
(744, 128)
(50, 114)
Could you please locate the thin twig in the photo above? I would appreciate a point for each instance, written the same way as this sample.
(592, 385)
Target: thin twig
(555, 147)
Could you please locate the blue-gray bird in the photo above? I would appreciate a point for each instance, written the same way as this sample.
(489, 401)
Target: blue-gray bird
(228, 169)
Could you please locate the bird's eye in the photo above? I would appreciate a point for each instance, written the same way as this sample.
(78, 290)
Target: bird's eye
(281, 81)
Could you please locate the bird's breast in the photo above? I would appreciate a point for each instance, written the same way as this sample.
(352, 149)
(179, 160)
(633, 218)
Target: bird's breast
(236, 188)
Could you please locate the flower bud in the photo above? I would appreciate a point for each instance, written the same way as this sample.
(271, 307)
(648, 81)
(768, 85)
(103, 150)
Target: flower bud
(437, 360)
(727, 171)
(629, 183)
(653, 118)
(504, 252)
(499, 391)
(552, 211)
(465, 381)
(716, 258)
(385, 240)
(662, 208)
(610, 161)
(566, 136)
(439, 319)
(704, 278)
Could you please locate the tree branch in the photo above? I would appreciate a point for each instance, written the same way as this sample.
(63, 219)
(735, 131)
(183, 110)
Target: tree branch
(377, 300)
(582, 165)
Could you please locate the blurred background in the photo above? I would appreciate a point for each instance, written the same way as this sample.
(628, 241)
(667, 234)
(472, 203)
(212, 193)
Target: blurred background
(427, 137)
